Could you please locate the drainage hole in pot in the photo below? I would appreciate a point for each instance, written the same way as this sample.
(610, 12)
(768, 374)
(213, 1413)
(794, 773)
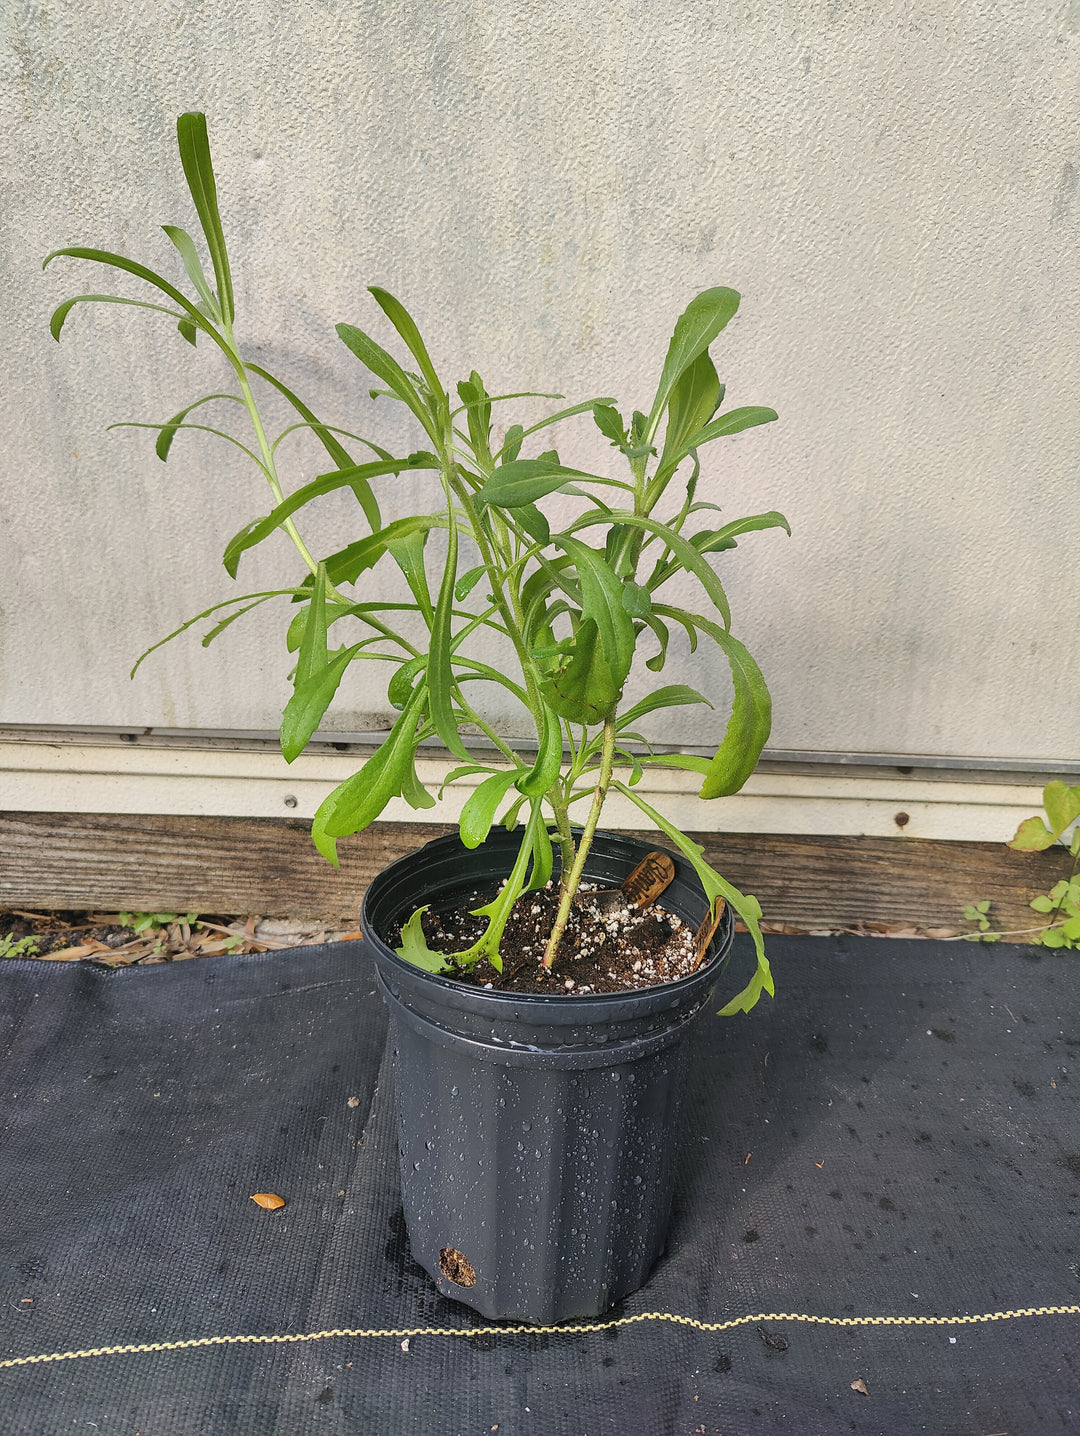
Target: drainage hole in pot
(457, 1268)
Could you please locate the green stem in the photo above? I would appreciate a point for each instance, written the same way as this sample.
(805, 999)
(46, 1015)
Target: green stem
(556, 796)
(607, 763)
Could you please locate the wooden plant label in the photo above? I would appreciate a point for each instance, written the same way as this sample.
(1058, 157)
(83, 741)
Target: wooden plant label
(706, 928)
(648, 880)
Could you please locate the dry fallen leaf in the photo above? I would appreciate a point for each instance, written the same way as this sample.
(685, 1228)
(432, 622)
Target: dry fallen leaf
(269, 1201)
(860, 1385)
(66, 954)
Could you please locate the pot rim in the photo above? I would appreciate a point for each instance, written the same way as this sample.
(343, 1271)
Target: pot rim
(575, 1007)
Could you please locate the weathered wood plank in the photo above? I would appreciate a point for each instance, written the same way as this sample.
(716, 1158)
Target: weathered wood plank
(109, 861)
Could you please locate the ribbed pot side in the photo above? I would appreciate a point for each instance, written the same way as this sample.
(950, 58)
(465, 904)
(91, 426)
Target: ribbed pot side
(538, 1135)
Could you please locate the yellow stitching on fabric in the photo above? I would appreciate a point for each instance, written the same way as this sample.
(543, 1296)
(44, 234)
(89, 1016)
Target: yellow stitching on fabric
(583, 1328)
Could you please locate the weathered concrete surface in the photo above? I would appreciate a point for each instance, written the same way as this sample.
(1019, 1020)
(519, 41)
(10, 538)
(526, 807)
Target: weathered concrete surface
(893, 188)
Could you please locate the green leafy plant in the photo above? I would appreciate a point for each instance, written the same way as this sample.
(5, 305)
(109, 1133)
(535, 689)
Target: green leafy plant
(979, 913)
(29, 946)
(140, 921)
(1056, 826)
(575, 606)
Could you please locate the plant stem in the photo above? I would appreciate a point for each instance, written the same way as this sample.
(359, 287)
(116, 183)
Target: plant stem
(607, 763)
(556, 796)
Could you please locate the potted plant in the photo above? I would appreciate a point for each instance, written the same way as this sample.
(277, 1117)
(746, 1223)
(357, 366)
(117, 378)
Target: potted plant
(538, 1113)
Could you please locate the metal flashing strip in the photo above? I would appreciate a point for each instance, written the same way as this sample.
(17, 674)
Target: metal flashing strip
(950, 767)
(73, 775)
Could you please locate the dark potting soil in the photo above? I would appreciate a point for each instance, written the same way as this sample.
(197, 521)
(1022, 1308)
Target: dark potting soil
(607, 946)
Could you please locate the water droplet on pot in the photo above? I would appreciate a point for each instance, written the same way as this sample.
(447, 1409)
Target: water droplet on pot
(538, 1154)
(637, 1181)
(430, 1146)
(526, 1126)
(416, 1166)
(453, 1091)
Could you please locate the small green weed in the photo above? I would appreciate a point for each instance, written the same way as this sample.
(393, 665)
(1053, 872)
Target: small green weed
(140, 921)
(28, 946)
(1061, 905)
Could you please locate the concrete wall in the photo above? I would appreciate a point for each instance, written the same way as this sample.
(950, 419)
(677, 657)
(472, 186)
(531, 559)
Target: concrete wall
(893, 189)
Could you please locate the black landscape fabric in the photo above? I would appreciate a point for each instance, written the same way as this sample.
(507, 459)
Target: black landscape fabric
(895, 1137)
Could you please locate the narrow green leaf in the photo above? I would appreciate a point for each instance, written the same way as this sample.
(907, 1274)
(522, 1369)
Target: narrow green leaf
(219, 628)
(478, 416)
(463, 771)
(60, 314)
(385, 367)
(685, 762)
(656, 663)
(192, 263)
(673, 696)
(512, 443)
(313, 655)
(468, 581)
(686, 554)
(526, 480)
(332, 445)
(400, 688)
(699, 324)
(255, 532)
(542, 856)
(745, 904)
(189, 332)
(717, 540)
(602, 601)
(534, 523)
(310, 699)
(440, 675)
(748, 727)
(129, 266)
(405, 325)
(549, 758)
(734, 422)
(407, 551)
(360, 799)
(214, 608)
(168, 430)
(694, 400)
(516, 433)
(412, 790)
(751, 713)
(194, 146)
(478, 814)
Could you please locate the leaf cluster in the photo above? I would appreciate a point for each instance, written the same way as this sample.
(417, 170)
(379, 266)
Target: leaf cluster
(1057, 825)
(575, 606)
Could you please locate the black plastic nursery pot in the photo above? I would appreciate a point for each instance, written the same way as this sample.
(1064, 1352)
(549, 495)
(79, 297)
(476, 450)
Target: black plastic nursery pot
(538, 1135)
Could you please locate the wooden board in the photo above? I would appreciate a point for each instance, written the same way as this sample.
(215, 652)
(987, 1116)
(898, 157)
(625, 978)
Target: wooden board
(109, 862)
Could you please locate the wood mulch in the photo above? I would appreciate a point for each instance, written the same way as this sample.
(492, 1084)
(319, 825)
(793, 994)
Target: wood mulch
(106, 938)
(111, 939)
